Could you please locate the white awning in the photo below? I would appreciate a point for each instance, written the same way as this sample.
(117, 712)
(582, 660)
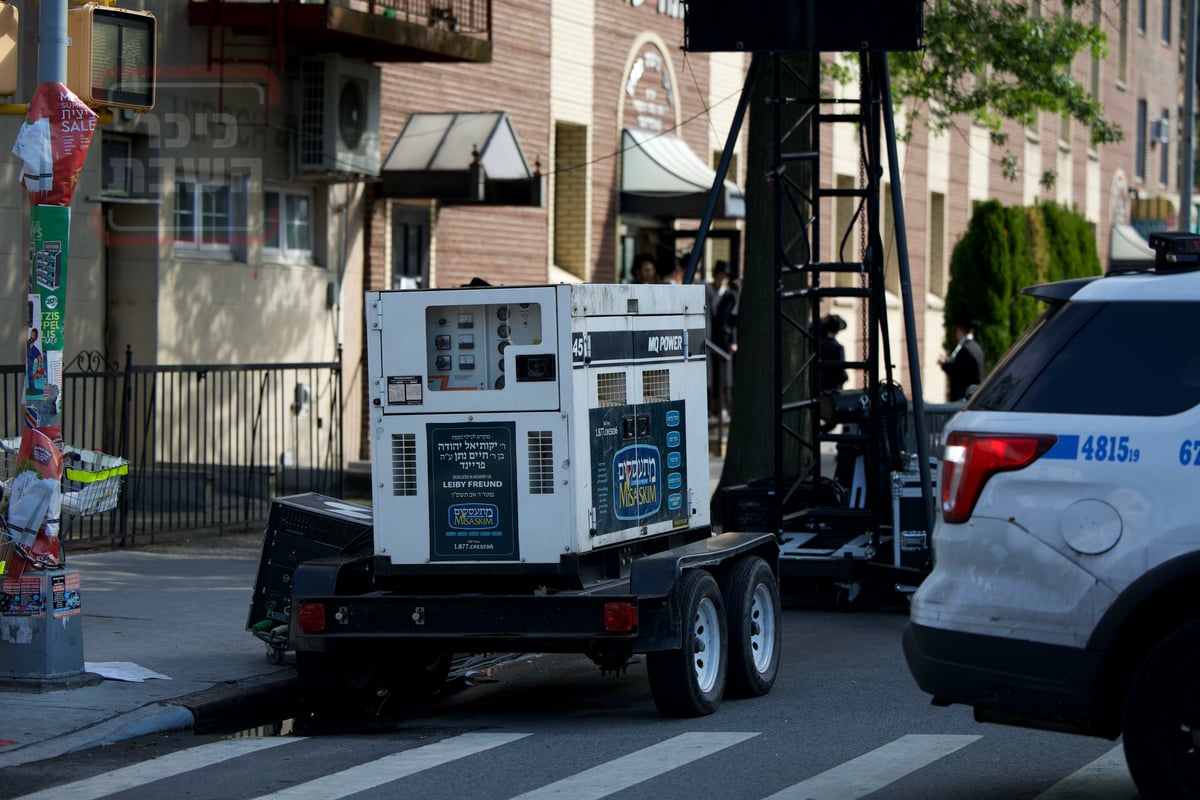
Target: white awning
(1127, 248)
(661, 175)
(471, 156)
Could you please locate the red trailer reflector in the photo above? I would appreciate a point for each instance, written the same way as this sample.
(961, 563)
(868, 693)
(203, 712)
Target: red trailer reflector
(620, 617)
(311, 617)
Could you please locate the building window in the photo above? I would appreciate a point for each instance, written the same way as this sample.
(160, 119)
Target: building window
(202, 214)
(1123, 47)
(937, 244)
(287, 224)
(1141, 22)
(571, 198)
(1166, 22)
(1139, 169)
(1164, 149)
(410, 246)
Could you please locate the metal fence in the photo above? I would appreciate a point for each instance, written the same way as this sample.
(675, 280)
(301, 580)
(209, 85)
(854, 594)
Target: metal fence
(208, 446)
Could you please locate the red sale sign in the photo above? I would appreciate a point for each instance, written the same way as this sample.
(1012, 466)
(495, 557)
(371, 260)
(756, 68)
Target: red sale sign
(53, 143)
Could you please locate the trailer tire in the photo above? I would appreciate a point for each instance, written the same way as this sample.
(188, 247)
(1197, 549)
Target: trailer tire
(349, 681)
(422, 671)
(753, 611)
(1161, 719)
(690, 681)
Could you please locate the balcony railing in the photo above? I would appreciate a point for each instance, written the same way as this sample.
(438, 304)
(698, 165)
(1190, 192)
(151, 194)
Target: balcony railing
(374, 30)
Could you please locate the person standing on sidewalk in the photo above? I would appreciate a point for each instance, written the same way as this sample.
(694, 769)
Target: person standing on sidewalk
(964, 365)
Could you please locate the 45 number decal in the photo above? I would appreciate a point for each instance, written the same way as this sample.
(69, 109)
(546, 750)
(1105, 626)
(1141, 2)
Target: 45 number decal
(1112, 448)
(581, 347)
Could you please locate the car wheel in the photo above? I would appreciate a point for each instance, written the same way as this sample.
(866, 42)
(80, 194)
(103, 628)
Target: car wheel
(1162, 719)
(752, 606)
(690, 681)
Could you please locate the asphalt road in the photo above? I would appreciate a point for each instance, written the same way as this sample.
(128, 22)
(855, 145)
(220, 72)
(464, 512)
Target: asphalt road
(844, 721)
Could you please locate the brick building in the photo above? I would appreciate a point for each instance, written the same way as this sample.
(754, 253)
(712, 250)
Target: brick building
(236, 223)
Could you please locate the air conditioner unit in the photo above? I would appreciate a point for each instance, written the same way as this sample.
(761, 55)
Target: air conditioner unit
(338, 117)
(1160, 131)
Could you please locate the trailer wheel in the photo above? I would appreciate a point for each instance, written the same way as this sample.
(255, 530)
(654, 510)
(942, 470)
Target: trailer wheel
(755, 634)
(422, 671)
(348, 681)
(690, 681)
(1162, 718)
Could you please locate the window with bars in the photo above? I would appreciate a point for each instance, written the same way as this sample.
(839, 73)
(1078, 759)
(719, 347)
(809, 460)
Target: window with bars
(541, 462)
(404, 464)
(656, 385)
(610, 389)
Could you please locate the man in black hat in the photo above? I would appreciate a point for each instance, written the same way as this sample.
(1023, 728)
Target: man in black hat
(964, 366)
(722, 311)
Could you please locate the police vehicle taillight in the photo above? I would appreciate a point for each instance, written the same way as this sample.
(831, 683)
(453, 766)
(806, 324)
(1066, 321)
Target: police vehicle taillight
(971, 459)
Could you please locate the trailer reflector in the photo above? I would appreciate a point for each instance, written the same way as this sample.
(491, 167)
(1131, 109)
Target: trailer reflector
(311, 617)
(620, 617)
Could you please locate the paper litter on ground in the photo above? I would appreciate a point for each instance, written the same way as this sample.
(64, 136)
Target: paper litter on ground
(122, 671)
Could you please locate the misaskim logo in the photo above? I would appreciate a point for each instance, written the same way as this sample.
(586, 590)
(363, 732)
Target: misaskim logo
(474, 516)
(637, 481)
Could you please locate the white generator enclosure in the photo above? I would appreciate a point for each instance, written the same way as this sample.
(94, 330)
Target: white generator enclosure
(525, 425)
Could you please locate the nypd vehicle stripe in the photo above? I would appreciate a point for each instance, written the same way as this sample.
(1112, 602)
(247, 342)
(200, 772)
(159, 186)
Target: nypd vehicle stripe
(1066, 448)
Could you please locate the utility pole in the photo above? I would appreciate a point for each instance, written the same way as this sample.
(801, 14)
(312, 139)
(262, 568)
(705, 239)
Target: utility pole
(43, 645)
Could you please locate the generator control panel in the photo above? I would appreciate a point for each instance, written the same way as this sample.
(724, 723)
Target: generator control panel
(465, 344)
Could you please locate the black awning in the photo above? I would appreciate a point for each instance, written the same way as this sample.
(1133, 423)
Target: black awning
(461, 157)
(662, 176)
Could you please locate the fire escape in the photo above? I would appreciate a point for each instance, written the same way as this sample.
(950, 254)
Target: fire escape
(259, 33)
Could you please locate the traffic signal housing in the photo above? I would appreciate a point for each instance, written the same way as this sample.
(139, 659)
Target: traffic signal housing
(112, 58)
(8, 49)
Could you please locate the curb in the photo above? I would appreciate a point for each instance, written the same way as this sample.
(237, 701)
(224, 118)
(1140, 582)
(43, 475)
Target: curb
(240, 705)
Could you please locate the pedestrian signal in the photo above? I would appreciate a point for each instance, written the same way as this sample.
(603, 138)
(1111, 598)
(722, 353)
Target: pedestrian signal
(8, 49)
(111, 60)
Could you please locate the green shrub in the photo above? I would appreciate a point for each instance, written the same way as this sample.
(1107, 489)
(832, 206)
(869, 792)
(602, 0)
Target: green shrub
(1005, 250)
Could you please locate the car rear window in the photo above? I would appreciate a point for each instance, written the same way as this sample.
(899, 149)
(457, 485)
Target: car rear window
(1124, 358)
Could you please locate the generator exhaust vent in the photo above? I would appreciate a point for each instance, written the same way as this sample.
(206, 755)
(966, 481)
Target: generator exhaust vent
(404, 464)
(610, 389)
(541, 462)
(656, 385)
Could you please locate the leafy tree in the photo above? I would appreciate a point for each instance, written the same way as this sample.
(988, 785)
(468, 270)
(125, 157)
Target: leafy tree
(988, 61)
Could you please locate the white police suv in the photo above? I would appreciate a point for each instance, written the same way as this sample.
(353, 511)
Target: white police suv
(1066, 588)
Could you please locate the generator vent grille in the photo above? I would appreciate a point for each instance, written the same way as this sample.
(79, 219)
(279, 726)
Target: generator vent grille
(610, 389)
(541, 462)
(404, 464)
(656, 385)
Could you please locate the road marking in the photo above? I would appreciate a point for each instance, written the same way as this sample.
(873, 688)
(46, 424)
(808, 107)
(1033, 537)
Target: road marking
(872, 771)
(1107, 776)
(120, 780)
(389, 768)
(630, 770)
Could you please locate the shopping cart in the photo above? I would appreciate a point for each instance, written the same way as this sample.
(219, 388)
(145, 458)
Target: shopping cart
(91, 484)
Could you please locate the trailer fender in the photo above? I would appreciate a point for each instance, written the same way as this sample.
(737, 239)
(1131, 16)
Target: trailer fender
(656, 575)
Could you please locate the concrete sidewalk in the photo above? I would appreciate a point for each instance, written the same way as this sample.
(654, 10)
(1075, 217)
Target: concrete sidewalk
(179, 611)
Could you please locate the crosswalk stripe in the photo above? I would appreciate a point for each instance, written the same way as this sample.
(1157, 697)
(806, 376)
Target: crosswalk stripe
(872, 771)
(154, 769)
(1106, 776)
(394, 766)
(630, 770)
